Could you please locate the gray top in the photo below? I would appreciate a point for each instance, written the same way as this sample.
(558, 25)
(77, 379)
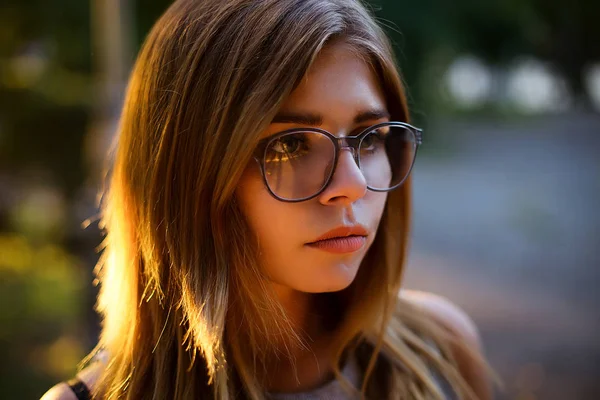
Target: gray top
(333, 390)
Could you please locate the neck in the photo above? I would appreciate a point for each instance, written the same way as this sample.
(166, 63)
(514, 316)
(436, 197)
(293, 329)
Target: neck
(310, 366)
(302, 310)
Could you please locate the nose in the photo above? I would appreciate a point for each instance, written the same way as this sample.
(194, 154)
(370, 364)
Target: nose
(347, 184)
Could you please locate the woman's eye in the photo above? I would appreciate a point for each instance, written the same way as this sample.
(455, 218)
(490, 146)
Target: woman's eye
(373, 140)
(368, 141)
(287, 147)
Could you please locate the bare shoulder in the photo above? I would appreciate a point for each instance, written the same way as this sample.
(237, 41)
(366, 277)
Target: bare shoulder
(470, 361)
(450, 315)
(61, 391)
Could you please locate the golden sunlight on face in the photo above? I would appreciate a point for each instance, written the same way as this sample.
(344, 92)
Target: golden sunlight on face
(338, 88)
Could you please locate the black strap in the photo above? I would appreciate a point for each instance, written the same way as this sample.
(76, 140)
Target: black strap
(78, 387)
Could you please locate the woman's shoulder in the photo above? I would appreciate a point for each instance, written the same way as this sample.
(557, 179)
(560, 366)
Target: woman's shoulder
(446, 313)
(467, 348)
(88, 377)
(60, 391)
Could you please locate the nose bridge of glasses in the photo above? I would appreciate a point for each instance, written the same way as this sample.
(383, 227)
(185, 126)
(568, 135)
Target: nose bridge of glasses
(350, 144)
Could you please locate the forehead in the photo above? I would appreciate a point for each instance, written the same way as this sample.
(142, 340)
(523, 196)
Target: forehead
(339, 83)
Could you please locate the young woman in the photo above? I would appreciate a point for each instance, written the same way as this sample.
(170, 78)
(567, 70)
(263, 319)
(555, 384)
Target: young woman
(257, 218)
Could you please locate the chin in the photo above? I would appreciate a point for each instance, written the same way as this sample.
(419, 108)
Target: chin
(334, 279)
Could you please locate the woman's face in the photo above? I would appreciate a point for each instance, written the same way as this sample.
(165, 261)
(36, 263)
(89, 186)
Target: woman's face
(337, 89)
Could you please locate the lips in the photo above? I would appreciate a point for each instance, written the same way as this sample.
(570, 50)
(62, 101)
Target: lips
(343, 231)
(343, 239)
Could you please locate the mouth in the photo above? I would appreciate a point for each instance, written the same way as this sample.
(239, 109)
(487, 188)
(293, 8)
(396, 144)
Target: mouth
(344, 239)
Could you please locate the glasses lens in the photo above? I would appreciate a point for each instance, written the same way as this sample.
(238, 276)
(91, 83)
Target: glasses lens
(386, 156)
(298, 165)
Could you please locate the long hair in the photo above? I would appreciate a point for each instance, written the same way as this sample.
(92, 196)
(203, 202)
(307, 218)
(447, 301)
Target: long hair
(185, 311)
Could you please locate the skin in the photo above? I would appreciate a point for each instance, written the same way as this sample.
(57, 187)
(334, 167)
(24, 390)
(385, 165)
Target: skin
(338, 86)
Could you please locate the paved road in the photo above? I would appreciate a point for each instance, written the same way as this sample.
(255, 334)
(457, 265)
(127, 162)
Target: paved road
(507, 224)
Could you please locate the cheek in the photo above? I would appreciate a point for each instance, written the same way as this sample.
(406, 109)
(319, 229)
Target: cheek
(375, 205)
(252, 198)
(271, 220)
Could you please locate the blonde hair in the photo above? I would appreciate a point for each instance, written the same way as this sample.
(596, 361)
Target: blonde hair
(179, 271)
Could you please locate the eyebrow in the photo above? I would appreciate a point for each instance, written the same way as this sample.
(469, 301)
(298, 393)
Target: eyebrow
(289, 117)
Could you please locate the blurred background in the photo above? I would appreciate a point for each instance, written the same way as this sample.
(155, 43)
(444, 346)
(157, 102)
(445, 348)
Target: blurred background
(506, 185)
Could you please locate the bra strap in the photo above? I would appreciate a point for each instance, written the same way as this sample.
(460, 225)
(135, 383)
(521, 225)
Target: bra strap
(80, 389)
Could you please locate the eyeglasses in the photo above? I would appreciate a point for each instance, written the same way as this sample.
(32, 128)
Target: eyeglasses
(298, 164)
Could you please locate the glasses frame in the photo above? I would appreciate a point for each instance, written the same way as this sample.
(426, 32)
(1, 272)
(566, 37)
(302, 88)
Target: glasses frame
(339, 143)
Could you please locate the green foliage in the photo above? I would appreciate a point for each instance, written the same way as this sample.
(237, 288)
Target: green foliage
(435, 31)
(45, 86)
(41, 287)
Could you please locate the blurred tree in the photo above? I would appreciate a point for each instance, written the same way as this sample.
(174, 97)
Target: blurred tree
(40, 308)
(564, 33)
(45, 88)
(571, 38)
